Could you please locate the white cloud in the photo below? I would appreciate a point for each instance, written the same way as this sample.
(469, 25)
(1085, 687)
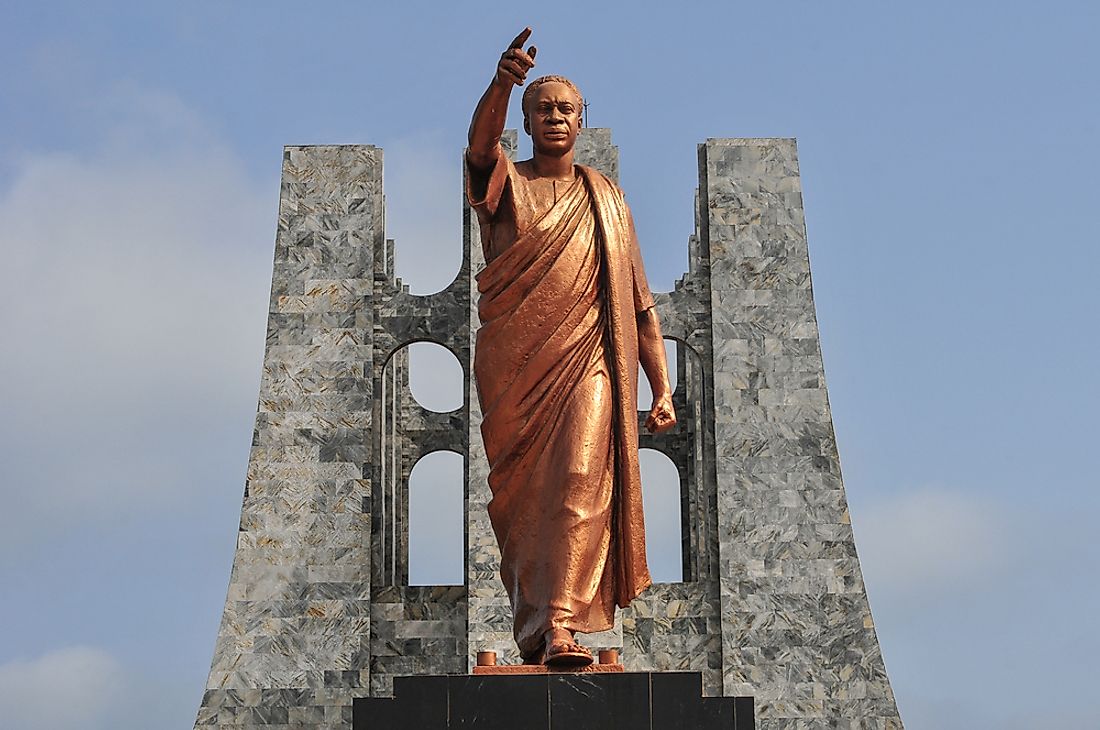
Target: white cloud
(74, 687)
(133, 309)
(928, 540)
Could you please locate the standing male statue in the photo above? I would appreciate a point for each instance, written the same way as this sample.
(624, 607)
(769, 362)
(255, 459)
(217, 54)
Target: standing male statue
(566, 315)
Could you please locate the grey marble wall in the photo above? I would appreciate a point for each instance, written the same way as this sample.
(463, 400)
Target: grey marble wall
(772, 603)
(294, 638)
(318, 608)
(796, 627)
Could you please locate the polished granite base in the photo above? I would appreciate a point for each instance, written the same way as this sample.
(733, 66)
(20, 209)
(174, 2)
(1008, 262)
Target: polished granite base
(559, 701)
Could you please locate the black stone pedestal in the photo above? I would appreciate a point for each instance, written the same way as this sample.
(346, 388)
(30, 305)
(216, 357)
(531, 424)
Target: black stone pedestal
(562, 701)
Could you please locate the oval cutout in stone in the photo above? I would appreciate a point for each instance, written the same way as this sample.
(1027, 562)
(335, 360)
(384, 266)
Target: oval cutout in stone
(663, 526)
(435, 377)
(437, 520)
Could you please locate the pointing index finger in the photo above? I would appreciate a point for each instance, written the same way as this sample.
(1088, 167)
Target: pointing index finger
(521, 38)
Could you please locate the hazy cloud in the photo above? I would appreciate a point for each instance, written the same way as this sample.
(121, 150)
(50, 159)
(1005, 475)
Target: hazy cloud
(928, 539)
(133, 308)
(74, 687)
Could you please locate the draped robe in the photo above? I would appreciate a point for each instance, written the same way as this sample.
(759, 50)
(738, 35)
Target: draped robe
(556, 365)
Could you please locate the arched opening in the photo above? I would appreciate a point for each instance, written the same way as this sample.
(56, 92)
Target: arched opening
(435, 377)
(645, 394)
(663, 528)
(423, 213)
(437, 520)
(430, 376)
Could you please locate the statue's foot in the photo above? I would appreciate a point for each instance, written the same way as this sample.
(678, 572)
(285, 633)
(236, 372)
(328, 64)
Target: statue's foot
(563, 651)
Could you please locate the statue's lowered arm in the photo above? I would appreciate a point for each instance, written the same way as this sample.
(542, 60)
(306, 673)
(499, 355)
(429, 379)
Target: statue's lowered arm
(651, 354)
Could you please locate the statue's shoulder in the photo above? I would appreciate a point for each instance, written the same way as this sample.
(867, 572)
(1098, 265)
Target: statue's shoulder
(602, 183)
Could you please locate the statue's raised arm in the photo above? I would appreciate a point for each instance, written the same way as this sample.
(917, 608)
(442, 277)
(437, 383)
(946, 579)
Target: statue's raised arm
(492, 111)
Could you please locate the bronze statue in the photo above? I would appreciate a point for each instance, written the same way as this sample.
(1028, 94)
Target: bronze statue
(566, 314)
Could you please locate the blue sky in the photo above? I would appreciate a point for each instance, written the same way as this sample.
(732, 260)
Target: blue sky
(949, 156)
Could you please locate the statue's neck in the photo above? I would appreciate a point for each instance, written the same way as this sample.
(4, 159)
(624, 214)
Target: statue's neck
(560, 167)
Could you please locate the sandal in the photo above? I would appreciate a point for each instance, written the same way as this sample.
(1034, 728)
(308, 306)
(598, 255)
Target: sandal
(566, 654)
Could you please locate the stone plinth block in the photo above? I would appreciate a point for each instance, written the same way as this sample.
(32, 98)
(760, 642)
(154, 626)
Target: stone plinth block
(556, 701)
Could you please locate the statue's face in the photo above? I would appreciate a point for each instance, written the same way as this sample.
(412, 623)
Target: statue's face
(553, 118)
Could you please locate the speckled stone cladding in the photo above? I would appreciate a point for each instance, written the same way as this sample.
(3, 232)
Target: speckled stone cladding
(319, 609)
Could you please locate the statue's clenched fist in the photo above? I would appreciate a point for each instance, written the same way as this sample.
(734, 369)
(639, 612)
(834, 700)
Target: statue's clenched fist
(515, 62)
(662, 416)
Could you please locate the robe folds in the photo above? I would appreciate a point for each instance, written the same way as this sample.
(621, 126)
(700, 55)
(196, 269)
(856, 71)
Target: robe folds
(556, 366)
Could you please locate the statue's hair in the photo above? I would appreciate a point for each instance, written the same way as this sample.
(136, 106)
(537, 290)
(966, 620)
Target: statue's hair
(529, 92)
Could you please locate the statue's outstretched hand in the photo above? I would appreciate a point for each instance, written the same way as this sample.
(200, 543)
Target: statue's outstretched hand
(662, 416)
(515, 62)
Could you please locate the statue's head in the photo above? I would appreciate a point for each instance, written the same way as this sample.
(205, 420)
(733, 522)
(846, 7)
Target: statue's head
(552, 108)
